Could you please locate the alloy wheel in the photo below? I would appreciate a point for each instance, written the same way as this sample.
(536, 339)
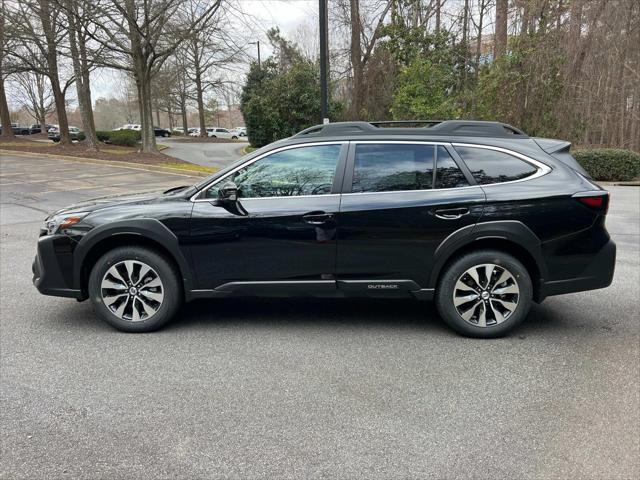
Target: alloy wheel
(132, 290)
(486, 295)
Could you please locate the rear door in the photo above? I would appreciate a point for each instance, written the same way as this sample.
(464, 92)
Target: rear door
(400, 201)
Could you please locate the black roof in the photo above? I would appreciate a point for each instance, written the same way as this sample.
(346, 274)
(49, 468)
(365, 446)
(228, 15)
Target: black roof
(466, 128)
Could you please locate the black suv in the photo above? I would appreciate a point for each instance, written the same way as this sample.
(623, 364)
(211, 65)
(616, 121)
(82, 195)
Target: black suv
(475, 215)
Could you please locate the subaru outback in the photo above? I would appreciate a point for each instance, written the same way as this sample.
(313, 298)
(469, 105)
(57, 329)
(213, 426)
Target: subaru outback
(477, 216)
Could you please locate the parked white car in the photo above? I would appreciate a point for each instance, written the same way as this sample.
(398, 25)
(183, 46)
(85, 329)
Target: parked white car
(219, 132)
(129, 126)
(195, 132)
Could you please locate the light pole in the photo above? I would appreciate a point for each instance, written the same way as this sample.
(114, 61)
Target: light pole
(257, 43)
(324, 60)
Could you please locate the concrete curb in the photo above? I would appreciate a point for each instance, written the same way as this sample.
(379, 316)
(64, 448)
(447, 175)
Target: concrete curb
(112, 163)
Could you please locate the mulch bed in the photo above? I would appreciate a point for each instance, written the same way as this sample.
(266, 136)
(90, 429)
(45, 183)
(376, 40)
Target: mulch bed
(78, 150)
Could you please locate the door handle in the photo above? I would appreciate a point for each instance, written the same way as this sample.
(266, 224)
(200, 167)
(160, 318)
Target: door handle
(452, 213)
(317, 218)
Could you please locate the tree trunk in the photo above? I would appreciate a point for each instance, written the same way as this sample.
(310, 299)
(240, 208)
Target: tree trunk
(356, 60)
(146, 112)
(183, 112)
(52, 64)
(200, 101)
(82, 88)
(142, 77)
(5, 116)
(479, 37)
(526, 16)
(502, 10)
(438, 15)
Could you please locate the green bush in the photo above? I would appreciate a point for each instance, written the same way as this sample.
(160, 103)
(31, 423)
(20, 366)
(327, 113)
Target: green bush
(610, 164)
(127, 138)
(103, 136)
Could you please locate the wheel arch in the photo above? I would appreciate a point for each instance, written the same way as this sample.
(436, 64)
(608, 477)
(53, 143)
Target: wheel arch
(512, 237)
(149, 233)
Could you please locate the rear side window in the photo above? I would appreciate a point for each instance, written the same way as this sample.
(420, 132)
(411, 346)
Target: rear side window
(397, 167)
(392, 167)
(491, 166)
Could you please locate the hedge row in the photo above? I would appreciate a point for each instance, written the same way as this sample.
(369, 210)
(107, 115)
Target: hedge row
(610, 164)
(128, 138)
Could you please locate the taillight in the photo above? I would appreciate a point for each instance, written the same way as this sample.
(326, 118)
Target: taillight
(597, 200)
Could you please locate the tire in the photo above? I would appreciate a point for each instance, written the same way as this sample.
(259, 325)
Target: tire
(234, 138)
(165, 134)
(499, 305)
(141, 309)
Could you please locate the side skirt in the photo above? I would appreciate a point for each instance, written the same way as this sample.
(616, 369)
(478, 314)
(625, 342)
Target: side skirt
(318, 288)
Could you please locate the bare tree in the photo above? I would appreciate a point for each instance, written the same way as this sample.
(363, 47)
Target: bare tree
(34, 94)
(79, 13)
(41, 31)
(141, 37)
(361, 48)
(5, 117)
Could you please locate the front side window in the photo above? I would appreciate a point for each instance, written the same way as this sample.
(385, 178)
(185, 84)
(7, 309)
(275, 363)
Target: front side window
(392, 167)
(492, 166)
(293, 172)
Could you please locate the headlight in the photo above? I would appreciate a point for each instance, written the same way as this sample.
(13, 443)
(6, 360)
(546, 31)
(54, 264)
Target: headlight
(58, 223)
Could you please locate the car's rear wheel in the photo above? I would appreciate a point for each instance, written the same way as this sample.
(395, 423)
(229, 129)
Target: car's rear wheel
(234, 138)
(484, 294)
(135, 289)
(165, 134)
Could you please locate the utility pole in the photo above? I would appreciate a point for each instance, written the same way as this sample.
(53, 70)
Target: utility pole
(324, 60)
(257, 44)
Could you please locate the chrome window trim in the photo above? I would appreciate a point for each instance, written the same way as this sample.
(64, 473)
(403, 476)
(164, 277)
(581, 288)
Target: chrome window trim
(259, 157)
(412, 191)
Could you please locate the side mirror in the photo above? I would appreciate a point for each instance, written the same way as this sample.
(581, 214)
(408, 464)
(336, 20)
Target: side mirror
(228, 199)
(229, 191)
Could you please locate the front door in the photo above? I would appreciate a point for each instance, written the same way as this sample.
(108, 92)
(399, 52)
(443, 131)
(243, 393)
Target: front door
(287, 239)
(401, 200)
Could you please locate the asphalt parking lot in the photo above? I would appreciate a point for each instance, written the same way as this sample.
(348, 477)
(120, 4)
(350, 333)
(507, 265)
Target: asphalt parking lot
(207, 154)
(306, 388)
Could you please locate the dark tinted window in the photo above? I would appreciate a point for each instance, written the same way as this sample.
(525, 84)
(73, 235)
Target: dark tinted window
(293, 172)
(448, 175)
(491, 166)
(393, 167)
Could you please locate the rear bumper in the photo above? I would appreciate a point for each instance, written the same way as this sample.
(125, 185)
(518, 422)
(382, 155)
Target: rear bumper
(48, 276)
(597, 274)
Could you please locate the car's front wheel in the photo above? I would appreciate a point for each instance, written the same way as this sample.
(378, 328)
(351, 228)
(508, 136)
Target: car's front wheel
(484, 294)
(135, 289)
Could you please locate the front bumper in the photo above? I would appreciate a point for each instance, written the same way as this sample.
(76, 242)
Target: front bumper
(597, 274)
(52, 267)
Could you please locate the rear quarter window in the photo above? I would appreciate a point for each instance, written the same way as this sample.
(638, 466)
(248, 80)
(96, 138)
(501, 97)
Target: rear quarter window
(492, 166)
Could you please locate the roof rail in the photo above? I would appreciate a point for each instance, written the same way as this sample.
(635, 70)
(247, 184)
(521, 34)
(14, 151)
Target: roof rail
(466, 128)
